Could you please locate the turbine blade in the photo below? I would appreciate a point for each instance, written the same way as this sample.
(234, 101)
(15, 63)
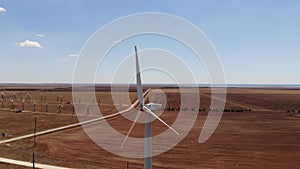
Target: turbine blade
(138, 79)
(150, 112)
(129, 131)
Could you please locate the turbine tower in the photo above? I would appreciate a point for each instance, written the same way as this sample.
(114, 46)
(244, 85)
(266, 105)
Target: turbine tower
(144, 109)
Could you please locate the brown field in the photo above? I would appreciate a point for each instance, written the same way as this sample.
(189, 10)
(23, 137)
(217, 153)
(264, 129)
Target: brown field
(265, 137)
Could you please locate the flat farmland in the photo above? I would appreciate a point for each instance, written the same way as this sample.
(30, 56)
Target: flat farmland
(266, 137)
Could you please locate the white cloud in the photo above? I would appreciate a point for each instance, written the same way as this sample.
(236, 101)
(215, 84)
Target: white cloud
(67, 58)
(73, 55)
(40, 35)
(2, 9)
(28, 43)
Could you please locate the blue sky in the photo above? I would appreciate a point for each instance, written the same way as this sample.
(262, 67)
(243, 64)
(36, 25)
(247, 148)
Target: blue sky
(257, 41)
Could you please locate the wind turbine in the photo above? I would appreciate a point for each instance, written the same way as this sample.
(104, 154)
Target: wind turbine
(144, 109)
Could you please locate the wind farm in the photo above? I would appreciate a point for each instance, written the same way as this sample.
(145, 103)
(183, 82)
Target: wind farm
(149, 84)
(253, 133)
(265, 136)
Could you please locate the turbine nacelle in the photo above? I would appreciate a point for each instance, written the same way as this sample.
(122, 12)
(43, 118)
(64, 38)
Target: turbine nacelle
(153, 106)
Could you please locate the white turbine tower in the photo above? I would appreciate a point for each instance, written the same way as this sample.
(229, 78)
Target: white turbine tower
(144, 109)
